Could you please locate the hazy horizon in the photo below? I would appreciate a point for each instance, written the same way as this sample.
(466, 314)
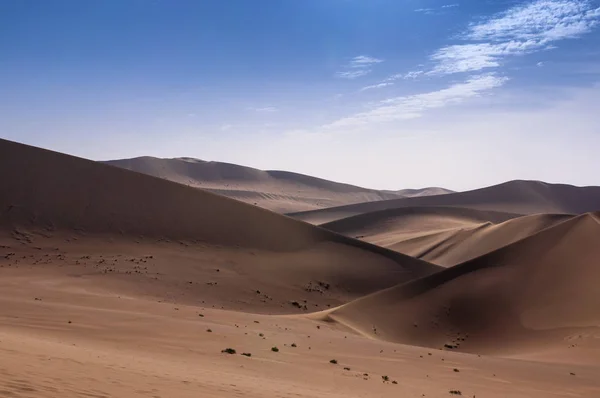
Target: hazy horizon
(378, 94)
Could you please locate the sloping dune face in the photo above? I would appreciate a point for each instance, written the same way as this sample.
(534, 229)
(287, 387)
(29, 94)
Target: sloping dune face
(537, 294)
(279, 191)
(185, 237)
(517, 197)
(445, 236)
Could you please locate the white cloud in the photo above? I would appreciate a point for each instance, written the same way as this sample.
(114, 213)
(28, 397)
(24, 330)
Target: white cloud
(540, 64)
(520, 30)
(379, 85)
(430, 11)
(353, 74)
(409, 75)
(265, 109)
(363, 61)
(358, 67)
(413, 106)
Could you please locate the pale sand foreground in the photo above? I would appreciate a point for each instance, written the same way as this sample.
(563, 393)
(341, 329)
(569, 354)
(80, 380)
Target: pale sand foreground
(105, 273)
(60, 336)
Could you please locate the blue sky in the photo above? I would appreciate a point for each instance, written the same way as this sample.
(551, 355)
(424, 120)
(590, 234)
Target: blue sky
(380, 93)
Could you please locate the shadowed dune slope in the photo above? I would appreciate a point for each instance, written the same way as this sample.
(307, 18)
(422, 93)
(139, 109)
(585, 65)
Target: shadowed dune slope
(46, 195)
(518, 197)
(280, 191)
(537, 294)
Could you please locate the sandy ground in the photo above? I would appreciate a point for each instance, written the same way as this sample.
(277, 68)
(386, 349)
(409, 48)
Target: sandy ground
(61, 336)
(119, 284)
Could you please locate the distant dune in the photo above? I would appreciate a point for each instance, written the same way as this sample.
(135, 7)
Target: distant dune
(517, 197)
(49, 198)
(445, 236)
(539, 293)
(430, 191)
(280, 191)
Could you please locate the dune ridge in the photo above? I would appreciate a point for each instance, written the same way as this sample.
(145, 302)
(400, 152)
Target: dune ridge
(518, 197)
(533, 295)
(276, 190)
(55, 197)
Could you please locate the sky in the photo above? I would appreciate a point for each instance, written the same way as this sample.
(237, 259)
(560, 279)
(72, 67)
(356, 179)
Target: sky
(386, 94)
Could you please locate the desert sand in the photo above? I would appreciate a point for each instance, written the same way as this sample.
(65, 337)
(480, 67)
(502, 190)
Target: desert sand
(279, 191)
(517, 197)
(120, 284)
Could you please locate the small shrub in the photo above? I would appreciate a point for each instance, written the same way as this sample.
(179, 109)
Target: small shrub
(333, 361)
(455, 392)
(246, 354)
(274, 349)
(261, 335)
(228, 351)
(456, 370)
(209, 330)
(346, 368)
(394, 382)
(294, 345)
(385, 378)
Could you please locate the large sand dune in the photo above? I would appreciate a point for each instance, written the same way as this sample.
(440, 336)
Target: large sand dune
(49, 198)
(518, 197)
(536, 295)
(280, 191)
(119, 284)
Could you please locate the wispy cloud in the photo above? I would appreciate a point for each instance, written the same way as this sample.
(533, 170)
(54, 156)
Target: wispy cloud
(436, 10)
(363, 61)
(413, 106)
(374, 86)
(521, 30)
(266, 109)
(358, 66)
(225, 127)
(405, 76)
(353, 74)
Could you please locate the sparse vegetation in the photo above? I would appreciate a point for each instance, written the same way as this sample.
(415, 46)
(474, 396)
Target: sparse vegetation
(294, 345)
(261, 335)
(246, 354)
(228, 351)
(455, 392)
(333, 361)
(385, 378)
(274, 349)
(346, 368)
(209, 330)
(456, 370)
(394, 382)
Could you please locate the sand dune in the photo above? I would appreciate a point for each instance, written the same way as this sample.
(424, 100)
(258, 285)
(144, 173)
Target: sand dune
(536, 295)
(444, 236)
(280, 191)
(429, 191)
(411, 221)
(518, 197)
(112, 219)
(115, 283)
